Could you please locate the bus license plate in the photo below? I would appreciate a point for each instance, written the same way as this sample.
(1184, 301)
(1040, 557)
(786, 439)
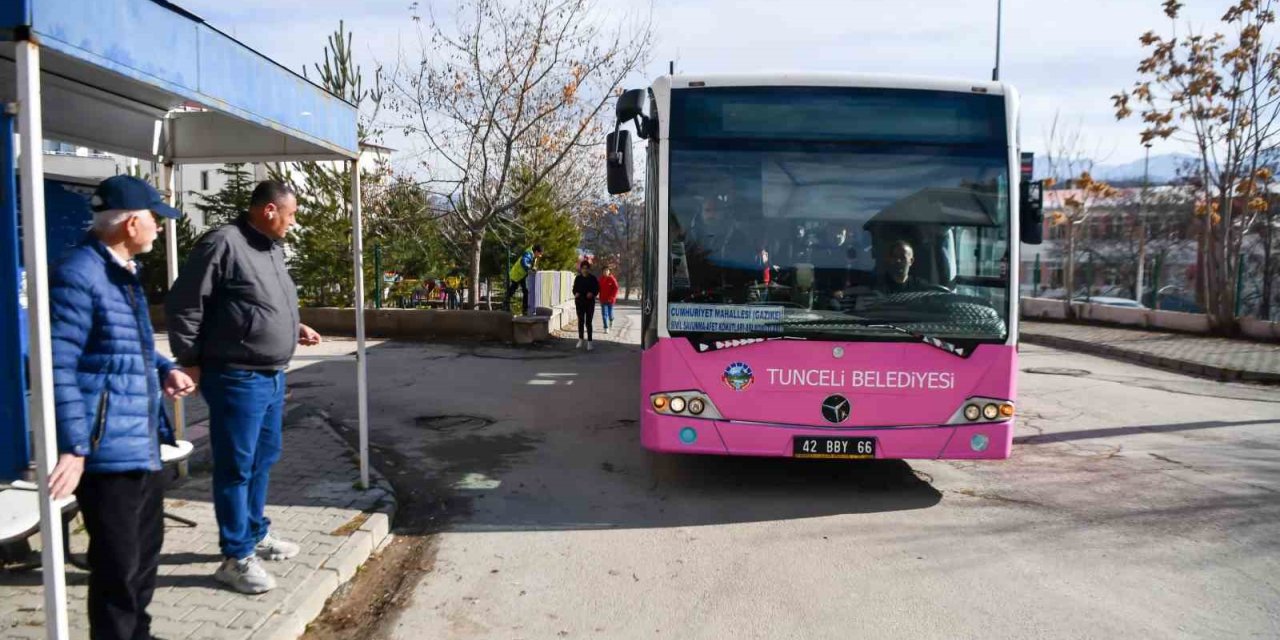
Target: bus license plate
(834, 448)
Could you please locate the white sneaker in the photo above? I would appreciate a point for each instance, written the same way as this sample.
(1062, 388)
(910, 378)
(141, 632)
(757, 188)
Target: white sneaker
(245, 575)
(589, 347)
(273, 548)
(579, 345)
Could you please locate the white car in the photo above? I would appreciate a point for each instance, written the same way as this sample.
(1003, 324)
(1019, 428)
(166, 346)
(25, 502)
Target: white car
(1113, 302)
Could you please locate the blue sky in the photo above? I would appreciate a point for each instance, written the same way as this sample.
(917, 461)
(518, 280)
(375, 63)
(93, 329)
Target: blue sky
(1064, 56)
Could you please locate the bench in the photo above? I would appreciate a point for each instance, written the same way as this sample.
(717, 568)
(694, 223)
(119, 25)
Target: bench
(20, 513)
(20, 519)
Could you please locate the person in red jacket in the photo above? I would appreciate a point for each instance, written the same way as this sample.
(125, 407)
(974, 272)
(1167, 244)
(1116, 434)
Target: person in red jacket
(608, 296)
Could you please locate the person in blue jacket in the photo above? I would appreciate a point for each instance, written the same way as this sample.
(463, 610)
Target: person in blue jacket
(108, 380)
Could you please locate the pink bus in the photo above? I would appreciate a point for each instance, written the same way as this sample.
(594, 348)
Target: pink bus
(830, 264)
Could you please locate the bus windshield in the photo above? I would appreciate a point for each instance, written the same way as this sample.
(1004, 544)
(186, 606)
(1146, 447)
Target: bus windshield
(818, 213)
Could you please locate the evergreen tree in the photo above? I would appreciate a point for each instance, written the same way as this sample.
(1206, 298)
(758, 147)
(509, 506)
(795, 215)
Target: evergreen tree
(231, 200)
(153, 265)
(540, 221)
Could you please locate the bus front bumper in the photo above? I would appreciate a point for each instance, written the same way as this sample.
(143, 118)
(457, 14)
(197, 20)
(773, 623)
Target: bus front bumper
(674, 434)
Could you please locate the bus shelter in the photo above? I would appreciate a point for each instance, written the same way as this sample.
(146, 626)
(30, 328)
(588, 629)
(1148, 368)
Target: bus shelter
(148, 80)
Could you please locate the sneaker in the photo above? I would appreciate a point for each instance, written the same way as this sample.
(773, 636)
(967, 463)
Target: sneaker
(579, 345)
(273, 548)
(245, 575)
(589, 347)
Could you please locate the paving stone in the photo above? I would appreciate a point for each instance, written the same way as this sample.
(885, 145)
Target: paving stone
(312, 485)
(1200, 355)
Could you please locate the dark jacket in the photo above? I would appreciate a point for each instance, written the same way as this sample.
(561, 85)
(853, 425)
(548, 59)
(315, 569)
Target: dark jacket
(234, 304)
(582, 285)
(106, 372)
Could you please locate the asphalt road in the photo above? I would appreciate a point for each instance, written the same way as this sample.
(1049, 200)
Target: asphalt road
(1137, 503)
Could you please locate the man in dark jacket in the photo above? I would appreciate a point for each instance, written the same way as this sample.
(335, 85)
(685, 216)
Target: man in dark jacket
(233, 322)
(111, 419)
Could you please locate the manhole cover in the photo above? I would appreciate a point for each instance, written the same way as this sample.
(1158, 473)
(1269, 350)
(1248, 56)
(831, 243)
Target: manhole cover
(1057, 371)
(453, 422)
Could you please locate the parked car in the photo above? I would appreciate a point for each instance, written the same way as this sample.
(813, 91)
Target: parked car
(1112, 302)
(1175, 298)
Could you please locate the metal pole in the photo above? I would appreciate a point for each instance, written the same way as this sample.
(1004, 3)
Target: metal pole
(1142, 225)
(1035, 277)
(1155, 282)
(377, 270)
(995, 73)
(41, 351)
(171, 259)
(362, 376)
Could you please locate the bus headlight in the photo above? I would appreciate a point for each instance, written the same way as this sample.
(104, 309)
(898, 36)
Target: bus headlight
(991, 412)
(694, 404)
(697, 406)
(981, 409)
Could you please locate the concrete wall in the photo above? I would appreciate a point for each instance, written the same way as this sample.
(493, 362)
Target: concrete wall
(408, 324)
(413, 324)
(1046, 309)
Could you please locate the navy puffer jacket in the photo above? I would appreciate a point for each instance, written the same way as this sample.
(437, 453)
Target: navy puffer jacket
(106, 372)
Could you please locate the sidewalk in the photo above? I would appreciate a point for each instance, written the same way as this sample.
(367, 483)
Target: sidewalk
(1218, 358)
(313, 501)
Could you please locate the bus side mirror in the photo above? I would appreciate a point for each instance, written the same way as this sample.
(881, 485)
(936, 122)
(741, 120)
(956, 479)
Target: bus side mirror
(1032, 212)
(618, 161)
(630, 105)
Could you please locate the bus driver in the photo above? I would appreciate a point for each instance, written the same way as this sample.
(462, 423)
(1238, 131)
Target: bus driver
(897, 277)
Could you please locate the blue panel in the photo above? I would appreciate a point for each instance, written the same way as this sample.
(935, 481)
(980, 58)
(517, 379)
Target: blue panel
(14, 13)
(237, 76)
(66, 216)
(138, 38)
(157, 45)
(15, 453)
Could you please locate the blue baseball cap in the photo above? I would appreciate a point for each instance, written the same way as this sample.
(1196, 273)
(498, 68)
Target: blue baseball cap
(128, 193)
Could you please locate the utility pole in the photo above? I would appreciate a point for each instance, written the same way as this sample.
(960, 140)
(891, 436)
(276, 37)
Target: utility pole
(995, 72)
(1142, 224)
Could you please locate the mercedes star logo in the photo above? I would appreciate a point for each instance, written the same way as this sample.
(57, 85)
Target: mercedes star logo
(835, 409)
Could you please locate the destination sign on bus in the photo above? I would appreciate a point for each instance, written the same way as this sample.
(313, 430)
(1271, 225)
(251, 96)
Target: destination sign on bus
(718, 318)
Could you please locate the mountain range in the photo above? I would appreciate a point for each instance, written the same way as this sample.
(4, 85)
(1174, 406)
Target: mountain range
(1163, 169)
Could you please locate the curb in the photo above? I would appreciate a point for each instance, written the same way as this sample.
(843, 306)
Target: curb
(1188, 367)
(304, 606)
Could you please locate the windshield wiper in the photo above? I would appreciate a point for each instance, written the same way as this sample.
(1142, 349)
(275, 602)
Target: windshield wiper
(857, 321)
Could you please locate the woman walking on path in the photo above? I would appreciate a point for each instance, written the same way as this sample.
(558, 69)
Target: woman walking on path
(608, 296)
(585, 291)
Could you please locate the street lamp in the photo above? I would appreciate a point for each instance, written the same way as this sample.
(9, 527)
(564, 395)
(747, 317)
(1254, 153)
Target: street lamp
(995, 72)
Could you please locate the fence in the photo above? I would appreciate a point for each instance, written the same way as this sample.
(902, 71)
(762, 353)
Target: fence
(551, 288)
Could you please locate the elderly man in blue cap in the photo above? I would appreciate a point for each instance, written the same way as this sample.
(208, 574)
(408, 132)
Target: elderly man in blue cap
(108, 385)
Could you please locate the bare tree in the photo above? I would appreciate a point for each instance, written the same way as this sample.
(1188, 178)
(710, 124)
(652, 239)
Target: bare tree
(1070, 208)
(615, 231)
(1221, 95)
(511, 86)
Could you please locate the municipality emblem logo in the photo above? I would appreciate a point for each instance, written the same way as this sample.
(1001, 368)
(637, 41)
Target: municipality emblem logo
(738, 376)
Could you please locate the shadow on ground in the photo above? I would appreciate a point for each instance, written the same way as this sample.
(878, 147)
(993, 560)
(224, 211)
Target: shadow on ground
(484, 438)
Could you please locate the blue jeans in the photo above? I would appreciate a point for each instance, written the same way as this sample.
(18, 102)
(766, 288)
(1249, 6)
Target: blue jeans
(246, 414)
(606, 314)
